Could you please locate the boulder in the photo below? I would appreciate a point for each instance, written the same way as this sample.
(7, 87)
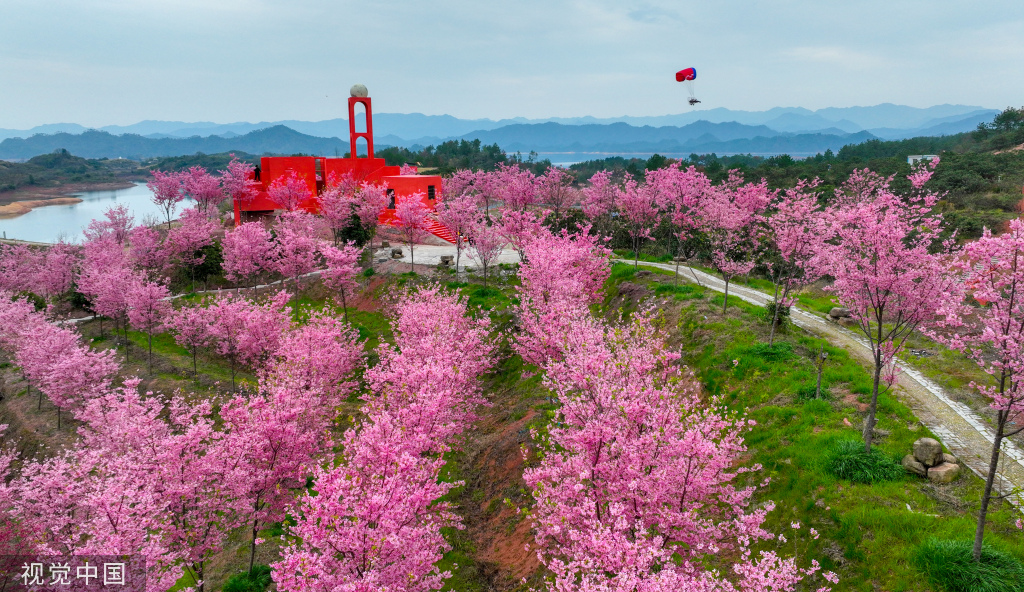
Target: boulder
(385, 245)
(944, 473)
(947, 457)
(928, 452)
(913, 466)
(447, 260)
(396, 253)
(839, 313)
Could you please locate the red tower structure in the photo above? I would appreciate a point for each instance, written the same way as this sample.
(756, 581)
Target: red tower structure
(316, 171)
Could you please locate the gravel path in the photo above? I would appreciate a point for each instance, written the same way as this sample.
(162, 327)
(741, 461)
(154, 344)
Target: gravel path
(964, 433)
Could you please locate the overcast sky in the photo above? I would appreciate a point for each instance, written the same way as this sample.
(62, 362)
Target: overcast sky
(101, 62)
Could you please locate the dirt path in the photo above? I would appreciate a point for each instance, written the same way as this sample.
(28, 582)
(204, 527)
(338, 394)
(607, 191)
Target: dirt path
(963, 432)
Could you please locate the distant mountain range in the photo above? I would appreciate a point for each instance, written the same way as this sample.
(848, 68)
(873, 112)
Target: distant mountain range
(98, 144)
(795, 131)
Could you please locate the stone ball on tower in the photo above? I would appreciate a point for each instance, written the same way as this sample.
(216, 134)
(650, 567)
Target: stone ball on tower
(359, 91)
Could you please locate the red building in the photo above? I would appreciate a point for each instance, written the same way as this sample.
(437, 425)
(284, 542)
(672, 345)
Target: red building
(316, 170)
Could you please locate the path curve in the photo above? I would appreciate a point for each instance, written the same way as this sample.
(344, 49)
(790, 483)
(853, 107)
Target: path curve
(963, 431)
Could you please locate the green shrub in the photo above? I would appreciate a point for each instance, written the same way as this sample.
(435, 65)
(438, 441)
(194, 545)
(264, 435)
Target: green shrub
(256, 581)
(779, 352)
(950, 566)
(35, 300)
(807, 392)
(768, 313)
(670, 289)
(846, 459)
(623, 272)
(368, 272)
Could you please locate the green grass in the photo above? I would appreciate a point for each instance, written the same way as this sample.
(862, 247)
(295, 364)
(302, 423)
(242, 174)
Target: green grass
(374, 328)
(846, 459)
(628, 254)
(257, 581)
(950, 567)
(165, 347)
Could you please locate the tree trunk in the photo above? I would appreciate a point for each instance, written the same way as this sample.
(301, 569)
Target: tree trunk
(252, 545)
(725, 301)
(195, 369)
(693, 272)
(636, 252)
(151, 353)
(58, 417)
(869, 423)
(412, 259)
(775, 318)
(126, 357)
(675, 279)
(986, 497)
(821, 368)
(344, 306)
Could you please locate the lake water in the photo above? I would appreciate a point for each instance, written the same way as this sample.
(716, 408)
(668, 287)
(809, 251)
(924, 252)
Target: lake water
(567, 159)
(50, 223)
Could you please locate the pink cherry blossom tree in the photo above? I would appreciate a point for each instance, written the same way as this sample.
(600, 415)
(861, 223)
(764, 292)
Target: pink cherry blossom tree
(459, 215)
(411, 220)
(198, 484)
(336, 203)
(298, 246)
(563, 275)
(238, 181)
(146, 251)
(204, 188)
(370, 203)
(679, 194)
(117, 222)
(465, 182)
(797, 232)
(599, 196)
(636, 481)
(514, 187)
(247, 333)
(148, 305)
(636, 205)
(890, 266)
(555, 189)
(192, 330)
(289, 191)
(279, 433)
(342, 271)
(520, 228)
(249, 251)
(732, 218)
(186, 241)
(485, 246)
(992, 272)
(318, 358)
(167, 192)
(376, 519)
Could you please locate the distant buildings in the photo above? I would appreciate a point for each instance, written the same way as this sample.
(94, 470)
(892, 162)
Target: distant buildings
(916, 158)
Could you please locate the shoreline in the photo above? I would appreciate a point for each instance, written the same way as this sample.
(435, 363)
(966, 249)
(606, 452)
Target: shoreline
(23, 200)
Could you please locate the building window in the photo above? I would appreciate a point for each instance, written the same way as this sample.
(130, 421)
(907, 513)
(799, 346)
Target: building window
(430, 192)
(391, 199)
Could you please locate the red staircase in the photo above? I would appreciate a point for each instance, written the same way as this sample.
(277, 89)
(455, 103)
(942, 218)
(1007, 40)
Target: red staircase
(438, 229)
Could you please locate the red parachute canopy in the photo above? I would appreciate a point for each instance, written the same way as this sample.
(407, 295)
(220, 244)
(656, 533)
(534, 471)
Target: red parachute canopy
(687, 74)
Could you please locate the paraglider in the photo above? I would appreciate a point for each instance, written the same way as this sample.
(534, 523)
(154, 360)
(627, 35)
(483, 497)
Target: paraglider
(687, 76)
